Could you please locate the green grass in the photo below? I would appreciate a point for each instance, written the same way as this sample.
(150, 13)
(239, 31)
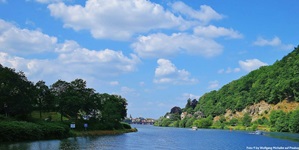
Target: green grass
(55, 116)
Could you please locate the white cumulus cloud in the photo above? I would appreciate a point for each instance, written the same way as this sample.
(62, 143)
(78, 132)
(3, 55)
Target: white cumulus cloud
(115, 19)
(251, 64)
(162, 45)
(215, 32)
(275, 42)
(264, 42)
(23, 41)
(68, 60)
(205, 14)
(166, 72)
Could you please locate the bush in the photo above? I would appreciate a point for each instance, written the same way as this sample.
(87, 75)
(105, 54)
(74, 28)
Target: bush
(166, 122)
(19, 130)
(22, 131)
(54, 130)
(203, 123)
(253, 127)
(294, 121)
(126, 126)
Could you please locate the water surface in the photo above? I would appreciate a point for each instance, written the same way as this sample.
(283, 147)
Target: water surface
(150, 137)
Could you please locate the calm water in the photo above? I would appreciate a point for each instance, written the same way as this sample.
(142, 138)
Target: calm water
(150, 137)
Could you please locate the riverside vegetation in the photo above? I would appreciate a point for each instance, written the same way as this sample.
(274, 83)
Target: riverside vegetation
(31, 111)
(239, 104)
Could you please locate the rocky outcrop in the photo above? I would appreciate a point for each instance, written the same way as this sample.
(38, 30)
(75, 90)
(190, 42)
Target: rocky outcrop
(262, 109)
(258, 110)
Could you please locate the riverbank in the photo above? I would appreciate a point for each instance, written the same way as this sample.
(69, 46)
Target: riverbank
(17, 131)
(102, 132)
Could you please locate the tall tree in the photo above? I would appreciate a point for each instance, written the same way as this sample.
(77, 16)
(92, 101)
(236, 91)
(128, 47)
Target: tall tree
(16, 93)
(44, 100)
(114, 108)
(59, 90)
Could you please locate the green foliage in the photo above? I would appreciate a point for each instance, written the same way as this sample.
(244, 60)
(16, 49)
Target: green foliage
(175, 123)
(254, 127)
(233, 122)
(126, 125)
(274, 117)
(270, 83)
(284, 122)
(20, 130)
(114, 108)
(16, 93)
(175, 117)
(189, 122)
(218, 125)
(294, 122)
(166, 122)
(203, 123)
(20, 97)
(182, 123)
(222, 119)
(262, 121)
(246, 120)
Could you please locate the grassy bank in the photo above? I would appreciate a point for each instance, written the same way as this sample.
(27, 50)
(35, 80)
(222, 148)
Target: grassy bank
(16, 131)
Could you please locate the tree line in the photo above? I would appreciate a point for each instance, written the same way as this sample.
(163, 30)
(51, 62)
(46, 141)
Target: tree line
(272, 84)
(19, 97)
(278, 121)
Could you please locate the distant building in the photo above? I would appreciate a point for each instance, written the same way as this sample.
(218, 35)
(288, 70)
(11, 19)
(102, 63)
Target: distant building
(183, 115)
(140, 120)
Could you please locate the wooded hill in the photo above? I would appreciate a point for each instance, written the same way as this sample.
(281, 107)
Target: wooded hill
(241, 103)
(272, 84)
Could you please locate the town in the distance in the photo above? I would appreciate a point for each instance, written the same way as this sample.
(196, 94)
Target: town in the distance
(139, 120)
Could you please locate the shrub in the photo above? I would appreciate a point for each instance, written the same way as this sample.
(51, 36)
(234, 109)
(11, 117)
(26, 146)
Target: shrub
(126, 125)
(22, 131)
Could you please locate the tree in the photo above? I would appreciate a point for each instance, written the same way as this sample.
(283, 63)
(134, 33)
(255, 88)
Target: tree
(43, 100)
(182, 123)
(246, 121)
(176, 110)
(203, 122)
(294, 121)
(233, 122)
(166, 122)
(114, 109)
(59, 90)
(16, 93)
(190, 121)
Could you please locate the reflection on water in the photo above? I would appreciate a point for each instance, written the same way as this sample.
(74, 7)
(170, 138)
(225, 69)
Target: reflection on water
(149, 137)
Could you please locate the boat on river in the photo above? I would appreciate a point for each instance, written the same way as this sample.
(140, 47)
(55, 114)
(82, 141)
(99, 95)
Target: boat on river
(257, 132)
(194, 128)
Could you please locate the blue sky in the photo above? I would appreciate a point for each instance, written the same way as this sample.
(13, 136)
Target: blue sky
(156, 54)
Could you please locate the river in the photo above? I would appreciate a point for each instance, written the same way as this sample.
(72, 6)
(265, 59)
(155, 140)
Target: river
(153, 138)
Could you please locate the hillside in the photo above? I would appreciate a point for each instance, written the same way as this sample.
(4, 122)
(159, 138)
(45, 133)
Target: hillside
(267, 97)
(261, 109)
(271, 84)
